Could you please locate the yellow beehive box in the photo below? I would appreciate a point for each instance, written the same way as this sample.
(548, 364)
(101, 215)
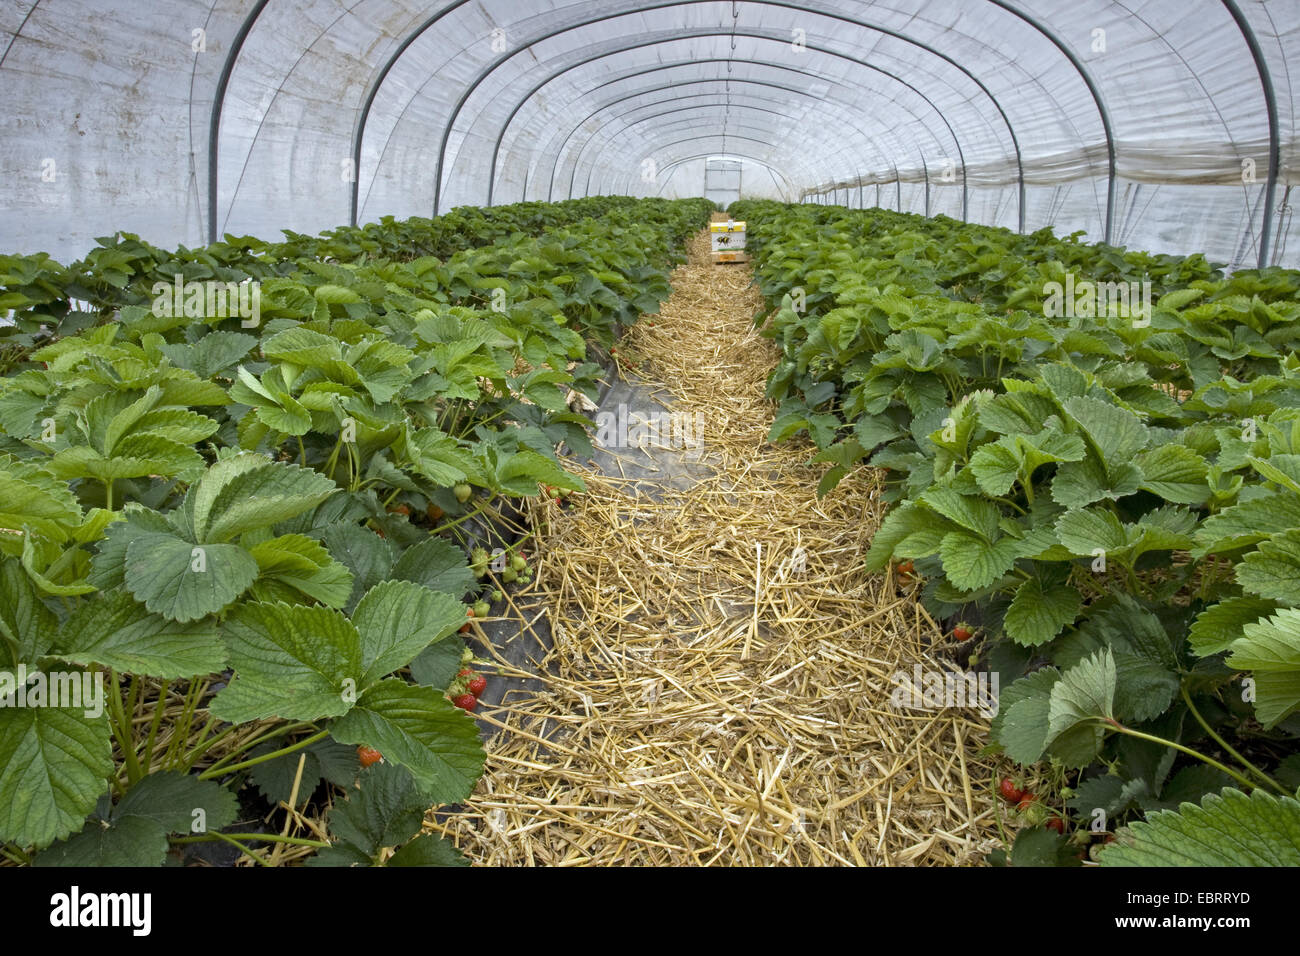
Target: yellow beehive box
(727, 236)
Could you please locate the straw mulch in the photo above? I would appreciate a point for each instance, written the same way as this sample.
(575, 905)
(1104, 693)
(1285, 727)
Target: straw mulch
(719, 689)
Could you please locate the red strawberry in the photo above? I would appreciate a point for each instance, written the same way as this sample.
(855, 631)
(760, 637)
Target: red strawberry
(1026, 801)
(963, 632)
(368, 756)
(465, 701)
(1057, 824)
(1010, 792)
(477, 684)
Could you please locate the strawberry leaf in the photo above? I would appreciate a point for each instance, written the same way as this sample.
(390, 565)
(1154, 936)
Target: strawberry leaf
(296, 663)
(428, 849)
(182, 581)
(27, 626)
(1219, 625)
(397, 620)
(1273, 571)
(971, 562)
(1226, 829)
(417, 728)
(54, 764)
(114, 631)
(1037, 613)
(438, 565)
(1085, 691)
(1271, 648)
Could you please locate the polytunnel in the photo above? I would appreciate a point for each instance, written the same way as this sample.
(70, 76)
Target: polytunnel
(655, 433)
(1168, 126)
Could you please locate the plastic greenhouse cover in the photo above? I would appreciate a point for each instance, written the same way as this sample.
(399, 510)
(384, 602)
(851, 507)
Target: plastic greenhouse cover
(1166, 124)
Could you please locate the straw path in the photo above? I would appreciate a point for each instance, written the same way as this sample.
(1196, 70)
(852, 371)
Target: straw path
(719, 688)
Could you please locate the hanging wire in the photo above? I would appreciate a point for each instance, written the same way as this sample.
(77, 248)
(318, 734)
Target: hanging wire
(1283, 226)
(726, 111)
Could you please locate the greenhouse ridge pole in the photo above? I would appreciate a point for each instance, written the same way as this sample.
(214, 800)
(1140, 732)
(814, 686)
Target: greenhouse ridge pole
(218, 101)
(1274, 139)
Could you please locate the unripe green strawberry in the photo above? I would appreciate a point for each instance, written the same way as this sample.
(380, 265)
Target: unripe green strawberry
(495, 596)
(482, 609)
(509, 575)
(480, 556)
(1034, 813)
(518, 563)
(462, 492)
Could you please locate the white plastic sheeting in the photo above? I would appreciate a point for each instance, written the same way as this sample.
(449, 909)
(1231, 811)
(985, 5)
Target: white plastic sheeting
(186, 119)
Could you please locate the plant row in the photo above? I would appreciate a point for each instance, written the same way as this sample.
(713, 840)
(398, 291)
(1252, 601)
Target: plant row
(1111, 493)
(251, 531)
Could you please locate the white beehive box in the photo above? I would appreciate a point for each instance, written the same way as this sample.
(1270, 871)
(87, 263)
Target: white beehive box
(727, 241)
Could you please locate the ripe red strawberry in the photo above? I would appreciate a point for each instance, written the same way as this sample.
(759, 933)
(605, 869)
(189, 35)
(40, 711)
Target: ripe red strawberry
(1057, 824)
(963, 632)
(1026, 801)
(905, 571)
(465, 701)
(368, 756)
(477, 684)
(1010, 792)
